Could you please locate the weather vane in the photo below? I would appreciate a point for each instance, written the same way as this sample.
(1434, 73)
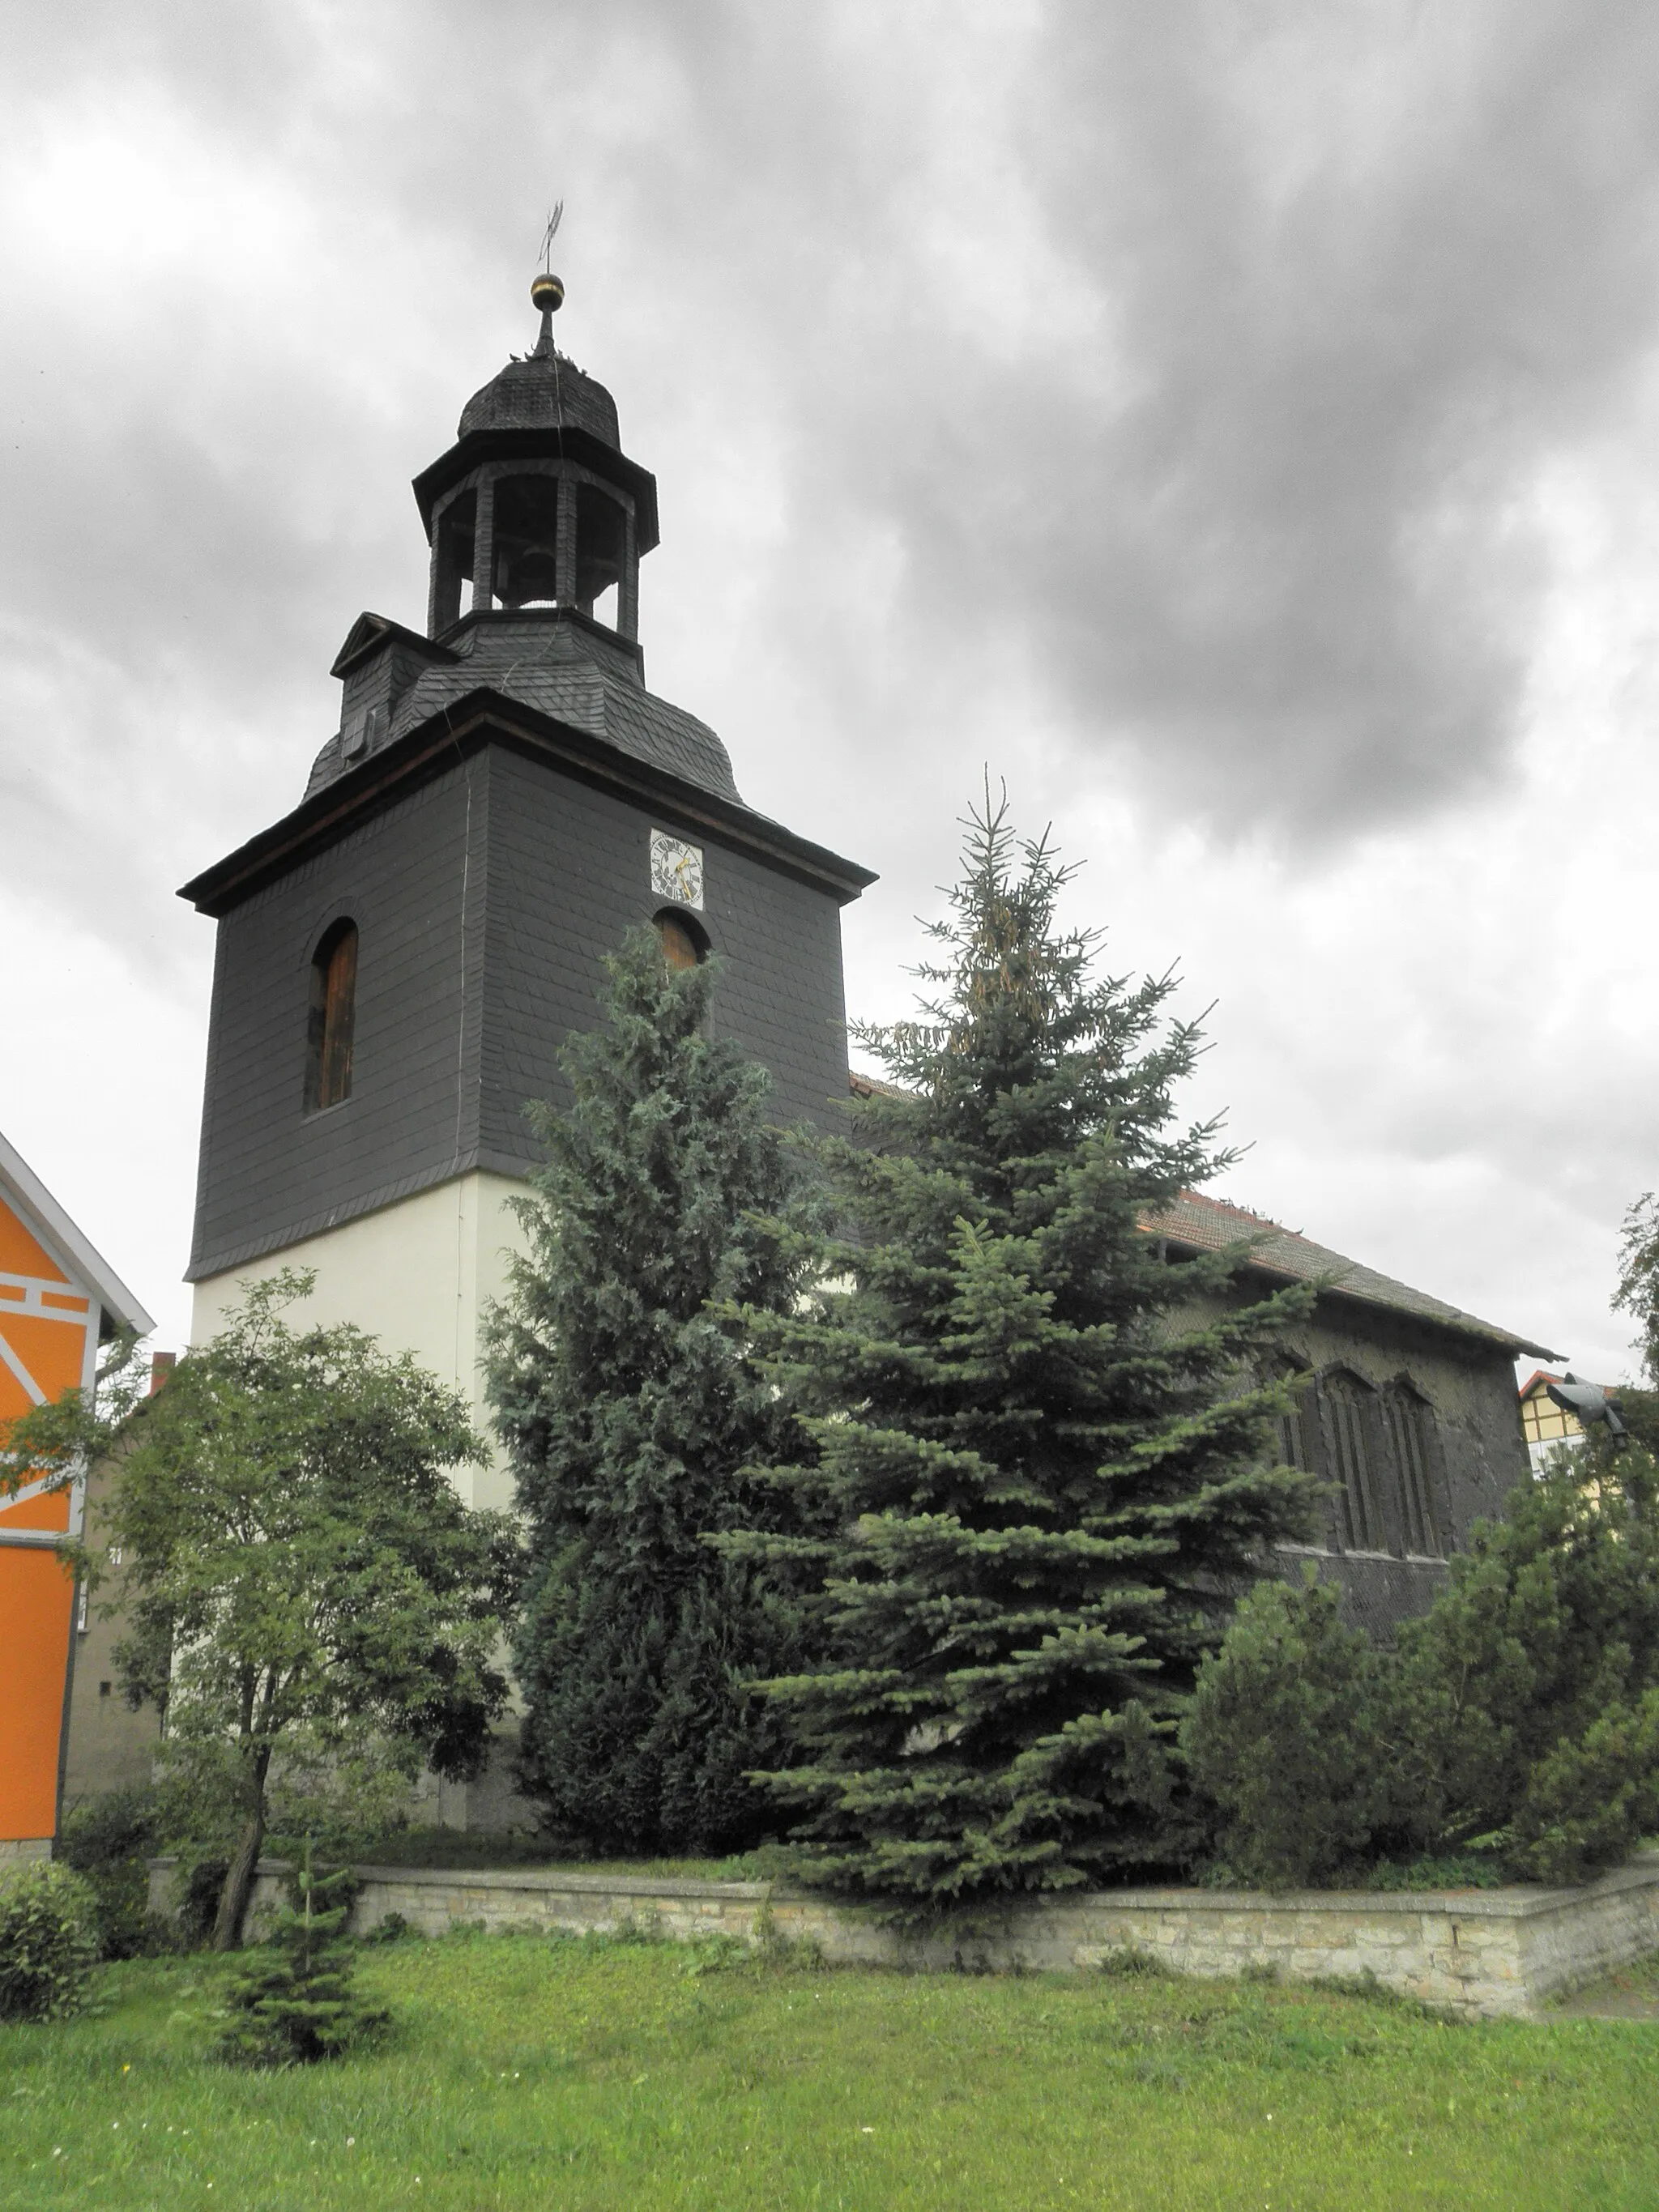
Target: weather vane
(546, 290)
(550, 235)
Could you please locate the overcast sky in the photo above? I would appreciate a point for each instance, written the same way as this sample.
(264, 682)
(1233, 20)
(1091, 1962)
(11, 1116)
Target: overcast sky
(1236, 424)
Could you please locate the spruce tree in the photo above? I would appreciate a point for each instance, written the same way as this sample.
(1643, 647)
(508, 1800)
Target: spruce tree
(629, 1410)
(1038, 1471)
(293, 2000)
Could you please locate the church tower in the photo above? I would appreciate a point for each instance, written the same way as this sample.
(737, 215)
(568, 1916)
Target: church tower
(401, 956)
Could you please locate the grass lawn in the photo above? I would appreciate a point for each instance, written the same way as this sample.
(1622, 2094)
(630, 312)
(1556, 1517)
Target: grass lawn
(1630, 1993)
(562, 2073)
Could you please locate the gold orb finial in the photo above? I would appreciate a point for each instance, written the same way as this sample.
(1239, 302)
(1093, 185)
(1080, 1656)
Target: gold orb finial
(547, 292)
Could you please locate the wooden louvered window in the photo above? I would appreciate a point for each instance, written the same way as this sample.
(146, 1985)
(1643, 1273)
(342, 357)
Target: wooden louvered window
(1348, 1419)
(332, 1018)
(1409, 1426)
(678, 937)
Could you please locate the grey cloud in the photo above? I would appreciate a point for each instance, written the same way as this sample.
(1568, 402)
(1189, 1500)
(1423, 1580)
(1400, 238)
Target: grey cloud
(1279, 572)
(1353, 275)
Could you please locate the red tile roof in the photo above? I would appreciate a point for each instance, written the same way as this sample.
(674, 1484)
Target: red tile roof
(1544, 1375)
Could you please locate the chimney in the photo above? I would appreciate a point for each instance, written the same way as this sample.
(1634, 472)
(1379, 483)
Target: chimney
(161, 1365)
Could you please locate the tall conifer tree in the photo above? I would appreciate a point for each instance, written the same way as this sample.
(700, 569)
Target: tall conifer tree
(629, 1410)
(1039, 1471)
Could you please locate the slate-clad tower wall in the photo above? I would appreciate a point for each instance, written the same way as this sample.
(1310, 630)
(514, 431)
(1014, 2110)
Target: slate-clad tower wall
(569, 870)
(484, 902)
(270, 1171)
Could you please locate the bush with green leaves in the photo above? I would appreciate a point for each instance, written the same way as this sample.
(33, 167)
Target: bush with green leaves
(110, 1840)
(1525, 1686)
(305, 1597)
(390, 1928)
(1289, 1735)
(1518, 1718)
(48, 1940)
(292, 2001)
(1591, 1798)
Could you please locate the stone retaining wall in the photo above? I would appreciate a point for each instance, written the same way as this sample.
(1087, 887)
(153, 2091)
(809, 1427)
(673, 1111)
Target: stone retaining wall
(1477, 1952)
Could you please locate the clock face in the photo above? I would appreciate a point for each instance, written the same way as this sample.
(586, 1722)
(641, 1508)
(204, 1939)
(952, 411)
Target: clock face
(676, 871)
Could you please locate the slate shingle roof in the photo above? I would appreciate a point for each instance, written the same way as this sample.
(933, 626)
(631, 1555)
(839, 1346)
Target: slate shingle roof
(544, 391)
(568, 675)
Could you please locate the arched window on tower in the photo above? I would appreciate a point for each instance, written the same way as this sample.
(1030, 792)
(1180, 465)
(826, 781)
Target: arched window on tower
(1409, 1426)
(684, 944)
(1347, 1410)
(332, 1018)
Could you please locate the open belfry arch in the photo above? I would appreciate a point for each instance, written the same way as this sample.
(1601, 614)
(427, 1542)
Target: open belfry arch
(401, 957)
(58, 1300)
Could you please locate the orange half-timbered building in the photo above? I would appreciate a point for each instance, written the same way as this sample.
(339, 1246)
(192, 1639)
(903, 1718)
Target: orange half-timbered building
(58, 1298)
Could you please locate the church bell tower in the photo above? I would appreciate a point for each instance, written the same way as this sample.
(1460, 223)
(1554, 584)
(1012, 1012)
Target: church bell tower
(401, 956)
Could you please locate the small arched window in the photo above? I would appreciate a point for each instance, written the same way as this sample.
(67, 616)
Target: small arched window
(332, 1018)
(684, 944)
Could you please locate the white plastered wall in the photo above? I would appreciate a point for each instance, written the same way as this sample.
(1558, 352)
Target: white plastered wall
(419, 1275)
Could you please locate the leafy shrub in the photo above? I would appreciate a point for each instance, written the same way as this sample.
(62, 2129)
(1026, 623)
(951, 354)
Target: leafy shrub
(110, 1841)
(293, 2000)
(390, 1928)
(715, 1953)
(1588, 1801)
(1286, 1737)
(1527, 1681)
(1469, 1869)
(1515, 1732)
(1549, 1620)
(791, 1953)
(48, 1941)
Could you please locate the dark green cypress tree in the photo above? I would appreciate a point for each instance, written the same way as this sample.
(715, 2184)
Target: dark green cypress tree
(629, 1410)
(1039, 1471)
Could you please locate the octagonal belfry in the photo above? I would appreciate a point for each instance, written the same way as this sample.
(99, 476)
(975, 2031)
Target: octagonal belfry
(536, 504)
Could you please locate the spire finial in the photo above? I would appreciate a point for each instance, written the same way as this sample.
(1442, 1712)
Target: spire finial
(546, 290)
